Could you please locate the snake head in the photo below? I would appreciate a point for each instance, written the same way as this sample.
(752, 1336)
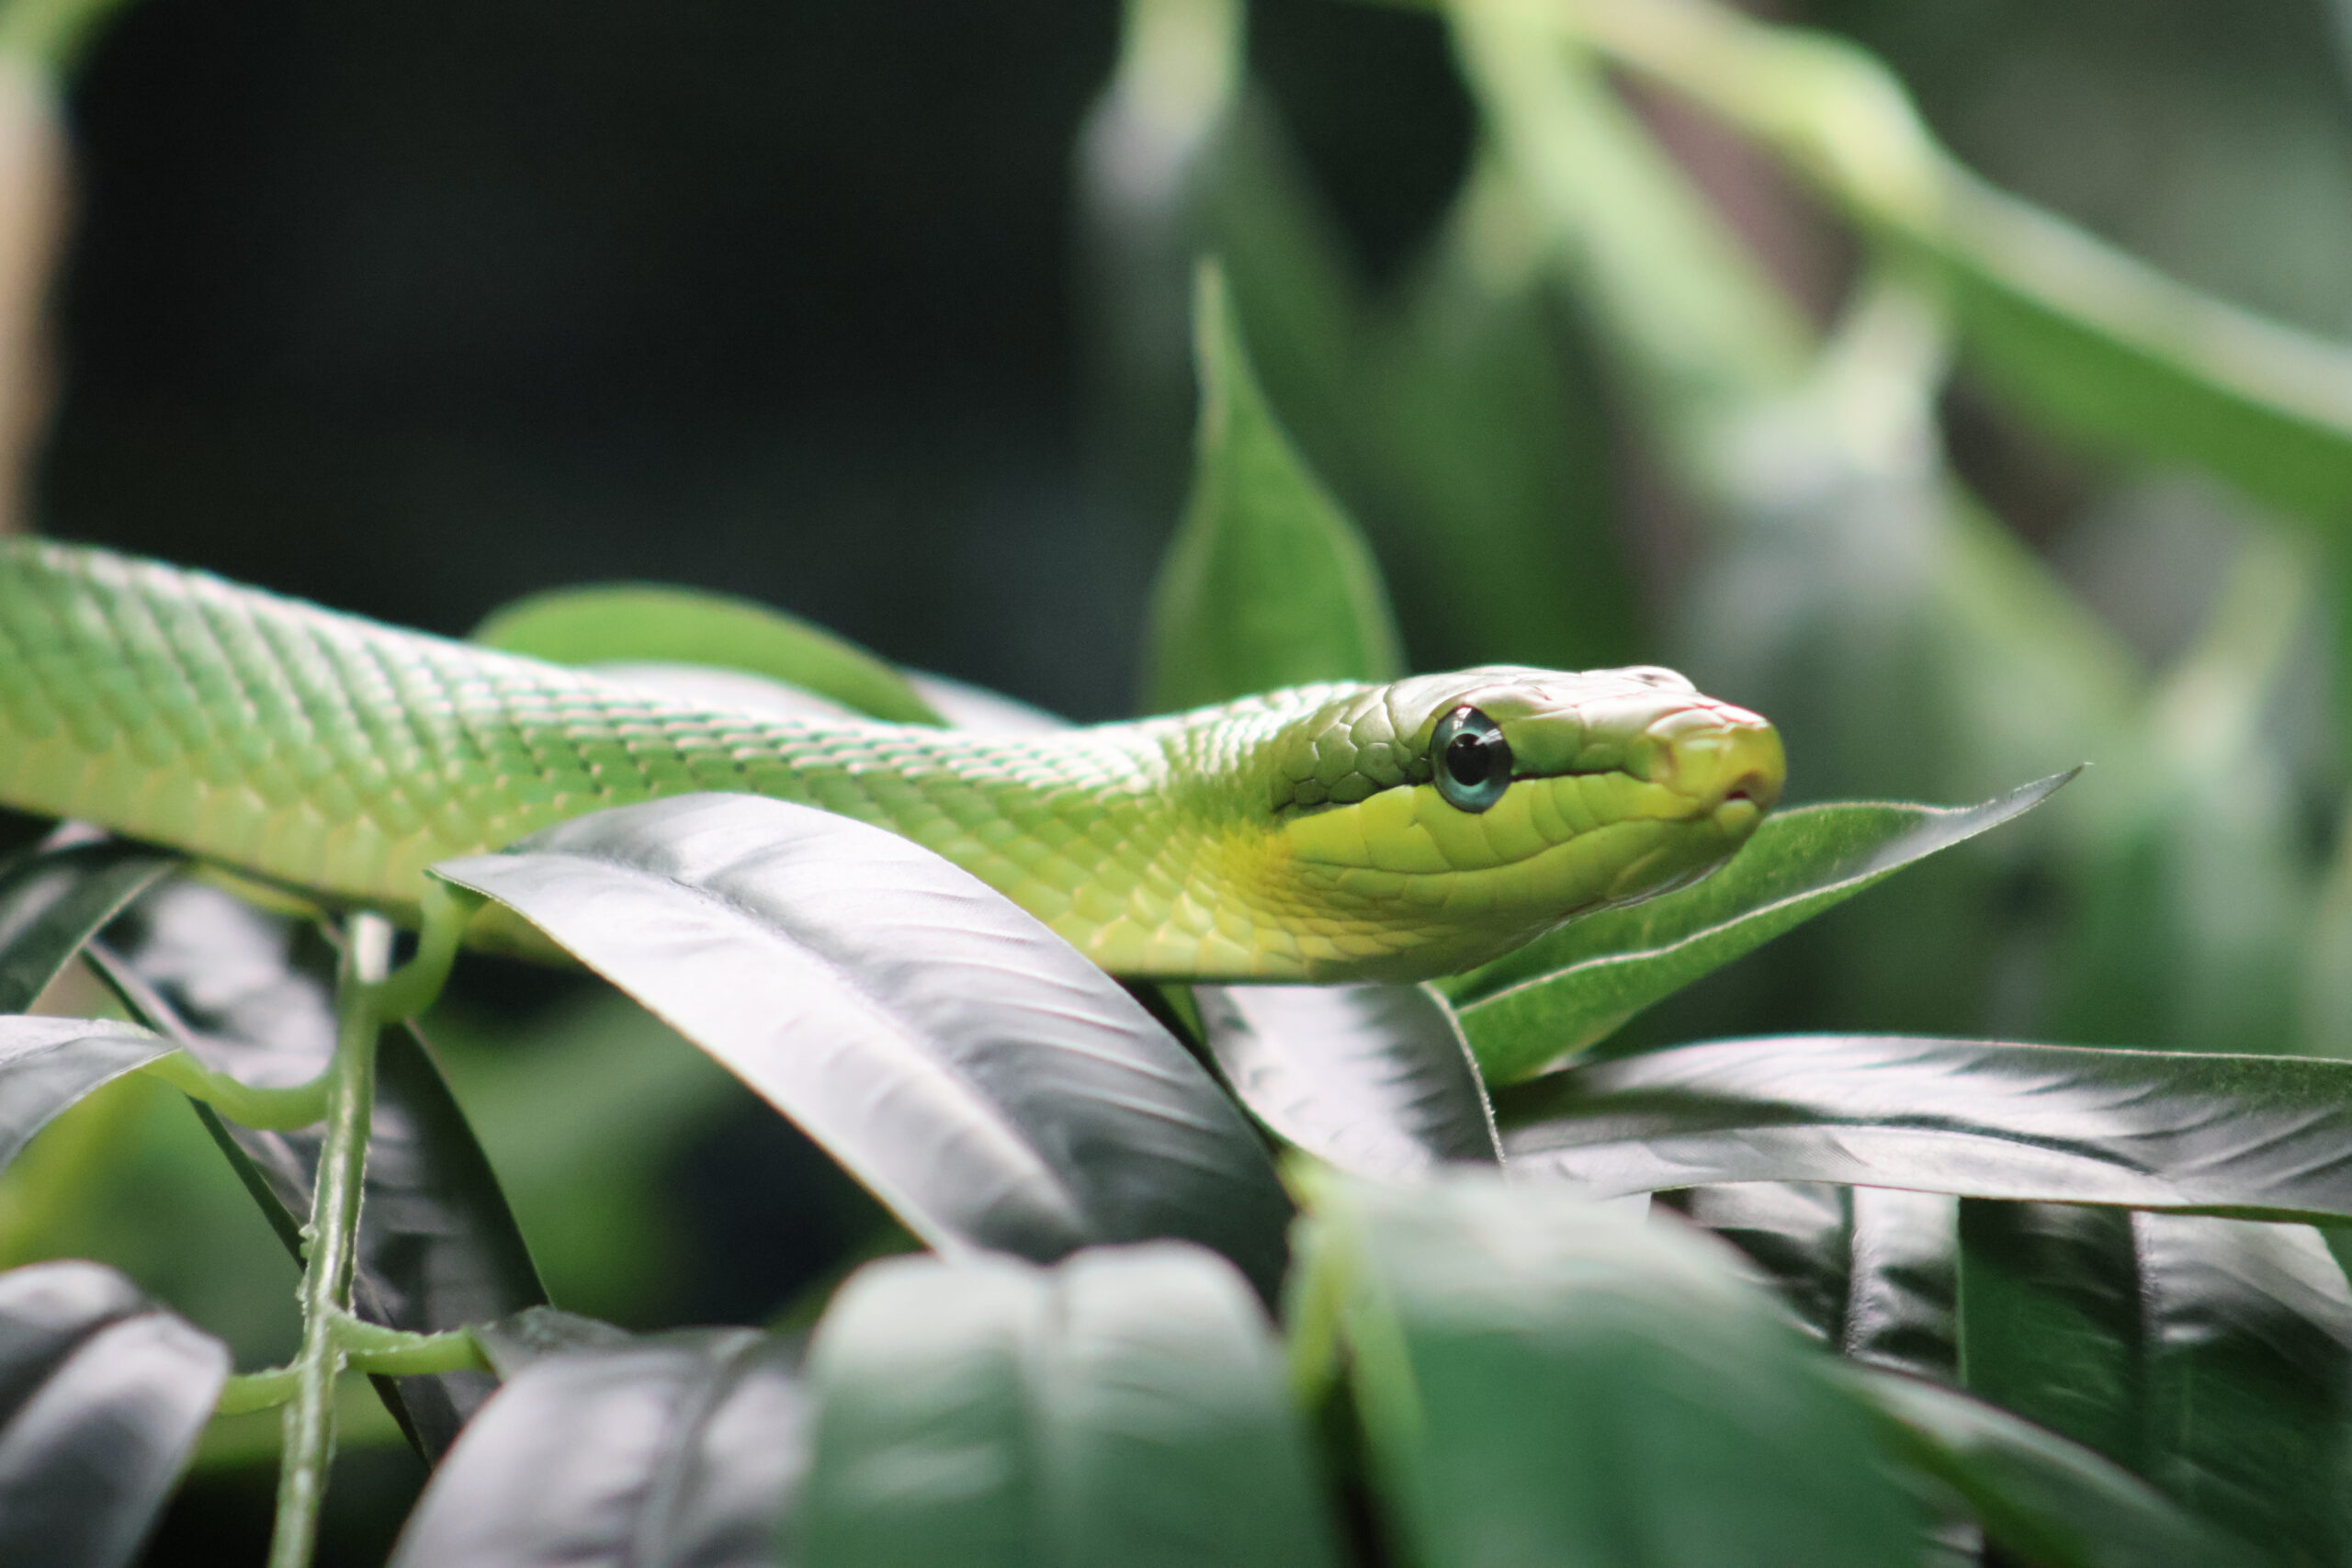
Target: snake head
(1436, 822)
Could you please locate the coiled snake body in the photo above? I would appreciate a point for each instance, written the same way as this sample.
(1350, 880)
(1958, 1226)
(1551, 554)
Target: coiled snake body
(1340, 831)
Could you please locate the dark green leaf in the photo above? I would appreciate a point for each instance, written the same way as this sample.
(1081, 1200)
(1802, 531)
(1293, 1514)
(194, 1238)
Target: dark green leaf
(46, 1063)
(2258, 1137)
(2057, 1505)
(683, 1448)
(1375, 1079)
(1266, 583)
(53, 900)
(986, 1082)
(1564, 992)
(103, 1395)
(439, 1247)
(2050, 1321)
(1868, 1269)
(633, 623)
(1545, 1382)
(1128, 1407)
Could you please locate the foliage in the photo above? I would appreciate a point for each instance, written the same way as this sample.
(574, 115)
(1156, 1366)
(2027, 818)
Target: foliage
(1495, 1271)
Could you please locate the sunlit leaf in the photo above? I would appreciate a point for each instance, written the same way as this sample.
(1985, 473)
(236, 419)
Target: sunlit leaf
(1128, 1407)
(1566, 990)
(984, 1080)
(1266, 583)
(1544, 1382)
(1375, 1079)
(2056, 1504)
(439, 1247)
(677, 1448)
(54, 900)
(2257, 1137)
(103, 1395)
(637, 623)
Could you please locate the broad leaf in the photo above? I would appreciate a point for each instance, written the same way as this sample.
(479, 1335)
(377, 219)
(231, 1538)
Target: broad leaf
(2256, 1136)
(1266, 583)
(1544, 1382)
(2057, 1505)
(1128, 1407)
(627, 623)
(46, 1063)
(1374, 1079)
(54, 900)
(679, 1448)
(103, 1395)
(1563, 992)
(986, 1082)
(247, 995)
(1870, 1269)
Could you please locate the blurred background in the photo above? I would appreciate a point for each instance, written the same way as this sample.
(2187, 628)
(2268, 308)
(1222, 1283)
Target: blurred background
(878, 314)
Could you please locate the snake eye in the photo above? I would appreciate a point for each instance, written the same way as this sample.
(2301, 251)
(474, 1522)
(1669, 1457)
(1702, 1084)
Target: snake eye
(1470, 760)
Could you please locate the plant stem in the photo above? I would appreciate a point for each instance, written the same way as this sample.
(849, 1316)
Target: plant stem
(333, 1237)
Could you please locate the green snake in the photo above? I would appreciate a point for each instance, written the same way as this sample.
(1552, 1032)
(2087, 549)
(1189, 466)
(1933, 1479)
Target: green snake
(1330, 832)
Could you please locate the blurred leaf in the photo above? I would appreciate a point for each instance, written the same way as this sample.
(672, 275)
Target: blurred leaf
(54, 900)
(638, 624)
(1566, 990)
(2258, 1137)
(103, 1395)
(1544, 1382)
(681, 1447)
(1128, 1407)
(1870, 1269)
(2055, 1504)
(1266, 583)
(439, 1247)
(510, 1343)
(1375, 1079)
(46, 1063)
(988, 1084)
(2212, 1356)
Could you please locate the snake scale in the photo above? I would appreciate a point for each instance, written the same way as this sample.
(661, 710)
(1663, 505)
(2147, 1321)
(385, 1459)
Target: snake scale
(1342, 832)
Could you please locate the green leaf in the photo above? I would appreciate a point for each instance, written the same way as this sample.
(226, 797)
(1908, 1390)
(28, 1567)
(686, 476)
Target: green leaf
(246, 993)
(629, 623)
(53, 900)
(46, 1063)
(1870, 1270)
(1374, 1079)
(103, 1395)
(984, 1080)
(1266, 583)
(2257, 1137)
(677, 1448)
(2212, 1356)
(1564, 992)
(1547, 1382)
(2053, 1503)
(1128, 1407)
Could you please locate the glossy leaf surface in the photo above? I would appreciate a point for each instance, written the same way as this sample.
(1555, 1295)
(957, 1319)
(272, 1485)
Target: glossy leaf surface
(634, 623)
(681, 1447)
(54, 900)
(1374, 1079)
(2054, 1502)
(103, 1395)
(1544, 1382)
(2260, 1136)
(987, 1082)
(1128, 1407)
(1564, 992)
(46, 1063)
(252, 994)
(1266, 583)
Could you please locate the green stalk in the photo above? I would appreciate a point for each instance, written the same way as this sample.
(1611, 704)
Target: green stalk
(332, 1244)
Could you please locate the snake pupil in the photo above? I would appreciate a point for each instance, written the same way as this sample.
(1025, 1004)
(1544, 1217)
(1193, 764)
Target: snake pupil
(1472, 759)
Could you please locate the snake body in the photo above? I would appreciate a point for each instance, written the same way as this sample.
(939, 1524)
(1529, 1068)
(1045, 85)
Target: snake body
(1304, 835)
